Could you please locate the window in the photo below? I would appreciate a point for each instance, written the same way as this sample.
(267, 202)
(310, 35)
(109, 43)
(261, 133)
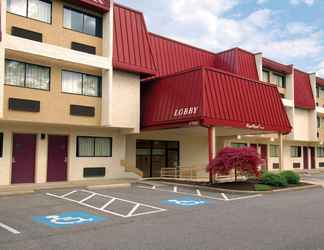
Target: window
(320, 152)
(238, 145)
(1, 145)
(266, 76)
(36, 9)
(27, 75)
(295, 151)
(82, 22)
(280, 80)
(94, 146)
(274, 151)
(320, 92)
(81, 84)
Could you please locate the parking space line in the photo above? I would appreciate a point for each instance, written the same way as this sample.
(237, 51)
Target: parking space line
(9, 229)
(224, 196)
(245, 197)
(105, 208)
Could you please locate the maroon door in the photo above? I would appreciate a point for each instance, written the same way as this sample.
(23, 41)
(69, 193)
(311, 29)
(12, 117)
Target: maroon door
(264, 156)
(57, 158)
(305, 157)
(23, 158)
(312, 149)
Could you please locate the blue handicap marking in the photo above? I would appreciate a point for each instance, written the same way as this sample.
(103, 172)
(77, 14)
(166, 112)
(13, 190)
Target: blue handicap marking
(68, 219)
(185, 201)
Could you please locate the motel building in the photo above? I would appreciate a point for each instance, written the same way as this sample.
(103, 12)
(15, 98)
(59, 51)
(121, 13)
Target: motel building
(86, 92)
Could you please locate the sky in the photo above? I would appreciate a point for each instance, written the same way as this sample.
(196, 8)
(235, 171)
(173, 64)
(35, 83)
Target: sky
(291, 31)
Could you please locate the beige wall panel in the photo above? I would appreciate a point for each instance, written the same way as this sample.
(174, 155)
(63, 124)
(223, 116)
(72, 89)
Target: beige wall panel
(54, 33)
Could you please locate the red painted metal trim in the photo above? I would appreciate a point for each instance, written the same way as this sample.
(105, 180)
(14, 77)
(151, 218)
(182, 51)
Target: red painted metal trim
(99, 5)
(276, 66)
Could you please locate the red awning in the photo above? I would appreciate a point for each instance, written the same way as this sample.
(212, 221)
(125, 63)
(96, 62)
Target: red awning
(212, 97)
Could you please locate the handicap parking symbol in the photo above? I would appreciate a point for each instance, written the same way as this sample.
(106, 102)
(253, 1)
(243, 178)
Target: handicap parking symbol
(68, 219)
(184, 201)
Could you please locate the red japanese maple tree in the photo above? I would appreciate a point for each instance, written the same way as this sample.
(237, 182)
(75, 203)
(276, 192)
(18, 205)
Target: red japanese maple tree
(246, 160)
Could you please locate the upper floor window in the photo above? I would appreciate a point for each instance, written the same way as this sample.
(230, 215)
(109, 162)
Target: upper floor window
(279, 80)
(320, 91)
(295, 151)
(82, 22)
(27, 75)
(81, 84)
(266, 76)
(36, 9)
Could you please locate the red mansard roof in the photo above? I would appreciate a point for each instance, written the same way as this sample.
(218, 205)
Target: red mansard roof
(200, 96)
(172, 56)
(278, 67)
(237, 61)
(304, 98)
(320, 81)
(132, 49)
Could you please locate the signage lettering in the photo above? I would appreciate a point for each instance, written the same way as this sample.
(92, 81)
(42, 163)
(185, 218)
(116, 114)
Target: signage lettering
(186, 111)
(254, 126)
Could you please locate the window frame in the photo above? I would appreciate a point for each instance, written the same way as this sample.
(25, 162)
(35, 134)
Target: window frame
(82, 76)
(85, 13)
(25, 75)
(320, 149)
(299, 151)
(26, 15)
(94, 146)
(283, 77)
(276, 149)
(268, 72)
(1, 144)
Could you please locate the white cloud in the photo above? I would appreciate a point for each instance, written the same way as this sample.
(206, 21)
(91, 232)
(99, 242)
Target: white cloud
(262, 1)
(299, 28)
(307, 2)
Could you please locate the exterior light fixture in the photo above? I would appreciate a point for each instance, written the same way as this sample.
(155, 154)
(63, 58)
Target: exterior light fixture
(272, 139)
(239, 137)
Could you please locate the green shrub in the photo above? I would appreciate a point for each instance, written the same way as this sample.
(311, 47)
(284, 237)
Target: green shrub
(262, 187)
(291, 177)
(273, 179)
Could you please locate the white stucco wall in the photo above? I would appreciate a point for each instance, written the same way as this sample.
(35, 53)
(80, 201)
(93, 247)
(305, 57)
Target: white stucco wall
(126, 100)
(304, 125)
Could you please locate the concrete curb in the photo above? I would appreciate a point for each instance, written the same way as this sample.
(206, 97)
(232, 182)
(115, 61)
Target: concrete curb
(222, 190)
(98, 187)
(12, 193)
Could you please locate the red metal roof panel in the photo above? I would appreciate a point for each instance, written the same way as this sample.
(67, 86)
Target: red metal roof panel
(237, 61)
(320, 81)
(132, 50)
(304, 98)
(213, 98)
(172, 56)
(275, 66)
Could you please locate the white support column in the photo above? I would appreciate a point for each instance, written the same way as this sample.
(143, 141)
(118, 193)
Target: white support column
(3, 14)
(281, 152)
(107, 75)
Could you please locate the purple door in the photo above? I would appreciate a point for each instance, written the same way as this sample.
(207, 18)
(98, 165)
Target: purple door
(305, 157)
(57, 158)
(264, 156)
(23, 158)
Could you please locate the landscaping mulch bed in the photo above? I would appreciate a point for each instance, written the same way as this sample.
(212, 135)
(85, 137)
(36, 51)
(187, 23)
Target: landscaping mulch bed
(239, 186)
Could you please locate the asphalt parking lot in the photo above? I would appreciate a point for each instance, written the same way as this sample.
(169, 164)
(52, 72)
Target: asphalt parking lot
(161, 218)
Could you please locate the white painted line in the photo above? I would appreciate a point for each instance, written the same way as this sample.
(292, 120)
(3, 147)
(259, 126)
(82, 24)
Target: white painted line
(133, 210)
(224, 196)
(88, 198)
(191, 194)
(67, 194)
(10, 229)
(245, 197)
(198, 192)
(111, 200)
(175, 189)
(108, 203)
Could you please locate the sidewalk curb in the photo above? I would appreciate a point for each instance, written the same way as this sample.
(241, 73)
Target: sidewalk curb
(211, 189)
(98, 187)
(12, 193)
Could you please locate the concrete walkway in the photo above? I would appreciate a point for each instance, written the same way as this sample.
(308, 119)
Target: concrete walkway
(89, 184)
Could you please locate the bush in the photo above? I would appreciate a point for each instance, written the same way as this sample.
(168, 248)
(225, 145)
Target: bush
(272, 179)
(262, 187)
(291, 177)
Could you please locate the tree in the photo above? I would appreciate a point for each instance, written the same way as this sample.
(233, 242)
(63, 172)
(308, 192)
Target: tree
(246, 160)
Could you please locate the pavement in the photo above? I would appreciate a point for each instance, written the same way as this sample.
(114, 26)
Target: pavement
(161, 217)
